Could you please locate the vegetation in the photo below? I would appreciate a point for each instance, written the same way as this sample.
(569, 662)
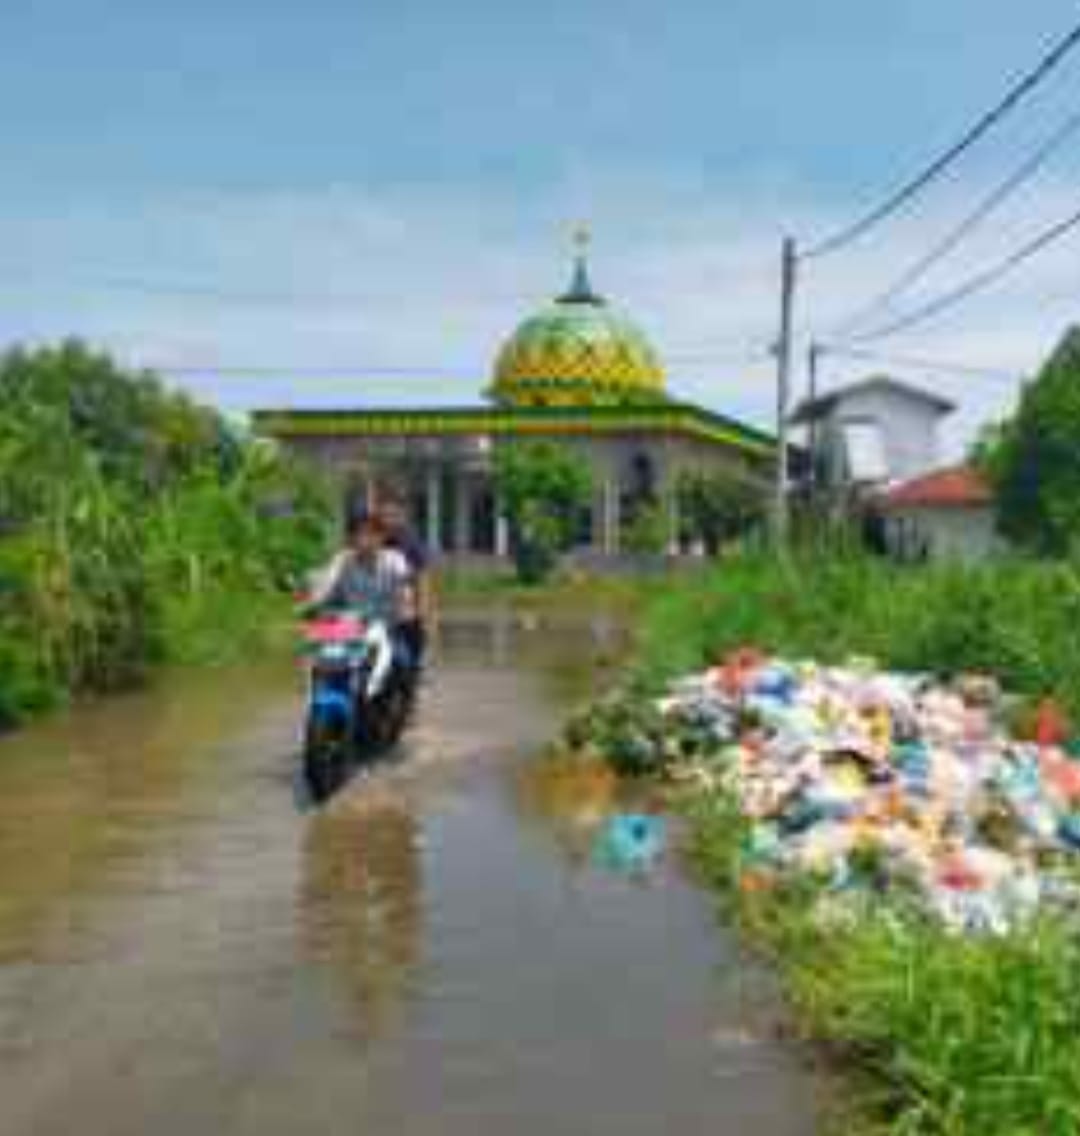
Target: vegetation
(1014, 618)
(646, 532)
(945, 1036)
(718, 507)
(544, 489)
(135, 527)
(1033, 460)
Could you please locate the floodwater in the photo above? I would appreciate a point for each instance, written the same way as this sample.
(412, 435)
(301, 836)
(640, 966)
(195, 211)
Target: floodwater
(186, 949)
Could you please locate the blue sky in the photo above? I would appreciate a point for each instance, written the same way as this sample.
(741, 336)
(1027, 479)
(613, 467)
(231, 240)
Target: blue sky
(390, 186)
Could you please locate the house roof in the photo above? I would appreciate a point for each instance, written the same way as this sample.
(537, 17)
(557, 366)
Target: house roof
(811, 409)
(960, 487)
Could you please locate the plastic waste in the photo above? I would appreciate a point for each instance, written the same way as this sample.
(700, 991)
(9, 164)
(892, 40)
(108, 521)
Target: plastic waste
(869, 779)
(630, 841)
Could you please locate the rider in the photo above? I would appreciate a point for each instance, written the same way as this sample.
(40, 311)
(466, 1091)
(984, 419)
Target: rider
(367, 576)
(402, 538)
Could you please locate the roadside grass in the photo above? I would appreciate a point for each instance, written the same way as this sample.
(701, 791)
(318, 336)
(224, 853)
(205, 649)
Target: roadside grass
(940, 1035)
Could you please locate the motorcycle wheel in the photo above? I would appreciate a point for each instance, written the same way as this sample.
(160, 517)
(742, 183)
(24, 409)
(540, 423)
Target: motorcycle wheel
(390, 716)
(325, 762)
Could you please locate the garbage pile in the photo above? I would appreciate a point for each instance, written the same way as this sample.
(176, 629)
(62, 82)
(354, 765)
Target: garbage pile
(868, 779)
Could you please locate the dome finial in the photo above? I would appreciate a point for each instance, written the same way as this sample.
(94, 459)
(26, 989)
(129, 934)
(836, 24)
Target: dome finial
(581, 289)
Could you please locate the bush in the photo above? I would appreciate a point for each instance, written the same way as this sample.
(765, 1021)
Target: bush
(544, 488)
(136, 527)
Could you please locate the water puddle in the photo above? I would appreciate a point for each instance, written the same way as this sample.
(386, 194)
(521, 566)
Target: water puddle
(467, 940)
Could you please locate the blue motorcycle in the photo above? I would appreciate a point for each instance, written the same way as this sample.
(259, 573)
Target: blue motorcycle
(359, 697)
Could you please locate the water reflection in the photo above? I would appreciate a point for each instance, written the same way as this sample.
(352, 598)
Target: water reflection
(504, 634)
(361, 903)
(85, 797)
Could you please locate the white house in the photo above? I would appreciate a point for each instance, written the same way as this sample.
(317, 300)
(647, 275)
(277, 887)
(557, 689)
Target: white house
(944, 515)
(872, 433)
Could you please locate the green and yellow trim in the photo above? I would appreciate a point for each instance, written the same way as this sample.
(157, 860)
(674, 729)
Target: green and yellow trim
(662, 418)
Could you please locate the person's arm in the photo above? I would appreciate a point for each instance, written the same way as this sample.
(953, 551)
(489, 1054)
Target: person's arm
(325, 589)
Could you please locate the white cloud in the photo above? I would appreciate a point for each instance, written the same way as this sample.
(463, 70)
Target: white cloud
(428, 281)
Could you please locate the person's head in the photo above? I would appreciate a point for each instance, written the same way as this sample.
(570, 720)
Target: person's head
(365, 533)
(393, 514)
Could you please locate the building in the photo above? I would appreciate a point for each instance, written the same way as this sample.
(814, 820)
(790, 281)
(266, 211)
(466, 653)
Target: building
(872, 433)
(944, 515)
(577, 371)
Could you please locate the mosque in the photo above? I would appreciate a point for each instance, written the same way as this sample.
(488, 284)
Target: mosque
(578, 372)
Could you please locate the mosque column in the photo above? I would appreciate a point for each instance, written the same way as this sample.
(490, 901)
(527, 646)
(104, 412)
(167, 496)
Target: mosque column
(434, 509)
(462, 512)
(612, 508)
(671, 504)
(502, 533)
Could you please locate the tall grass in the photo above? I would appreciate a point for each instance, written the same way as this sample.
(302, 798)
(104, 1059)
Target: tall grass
(135, 528)
(1018, 619)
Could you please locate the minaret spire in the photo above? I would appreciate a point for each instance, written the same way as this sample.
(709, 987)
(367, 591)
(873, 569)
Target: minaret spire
(581, 289)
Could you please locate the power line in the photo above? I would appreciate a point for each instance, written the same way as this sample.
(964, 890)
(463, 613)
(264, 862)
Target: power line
(941, 366)
(940, 251)
(974, 284)
(936, 168)
(375, 371)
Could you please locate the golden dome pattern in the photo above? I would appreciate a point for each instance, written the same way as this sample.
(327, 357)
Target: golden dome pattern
(578, 351)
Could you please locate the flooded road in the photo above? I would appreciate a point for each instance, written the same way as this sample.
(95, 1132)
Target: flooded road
(184, 949)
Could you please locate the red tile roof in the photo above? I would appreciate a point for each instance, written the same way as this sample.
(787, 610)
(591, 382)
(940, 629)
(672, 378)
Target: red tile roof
(960, 487)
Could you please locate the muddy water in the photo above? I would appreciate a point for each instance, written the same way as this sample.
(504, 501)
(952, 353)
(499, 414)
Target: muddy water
(185, 949)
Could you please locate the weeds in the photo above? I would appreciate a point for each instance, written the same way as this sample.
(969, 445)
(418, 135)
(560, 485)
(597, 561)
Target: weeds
(135, 527)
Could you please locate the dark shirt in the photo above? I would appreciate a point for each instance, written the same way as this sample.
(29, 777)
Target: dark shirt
(412, 548)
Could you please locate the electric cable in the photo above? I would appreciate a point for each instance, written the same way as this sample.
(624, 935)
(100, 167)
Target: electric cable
(1020, 177)
(910, 189)
(975, 284)
(942, 366)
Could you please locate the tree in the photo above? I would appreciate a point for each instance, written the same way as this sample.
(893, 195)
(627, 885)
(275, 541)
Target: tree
(646, 533)
(1033, 459)
(543, 488)
(715, 507)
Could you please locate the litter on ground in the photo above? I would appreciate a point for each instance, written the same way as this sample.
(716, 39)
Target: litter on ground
(871, 780)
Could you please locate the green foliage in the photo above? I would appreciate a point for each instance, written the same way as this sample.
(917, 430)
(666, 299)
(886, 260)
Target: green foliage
(1014, 618)
(1033, 461)
(646, 534)
(718, 507)
(544, 488)
(134, 526)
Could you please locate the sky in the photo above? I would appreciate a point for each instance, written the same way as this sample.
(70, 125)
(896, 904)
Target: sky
(361, 199)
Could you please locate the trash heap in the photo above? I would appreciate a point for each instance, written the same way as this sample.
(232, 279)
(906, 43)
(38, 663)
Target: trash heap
(874, 780)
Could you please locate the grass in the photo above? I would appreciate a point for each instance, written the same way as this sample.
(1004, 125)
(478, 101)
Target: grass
(942, 1036)
(1015, 619)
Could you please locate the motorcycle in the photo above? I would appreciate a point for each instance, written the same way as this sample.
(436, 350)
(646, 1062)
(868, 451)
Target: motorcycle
(358, 700)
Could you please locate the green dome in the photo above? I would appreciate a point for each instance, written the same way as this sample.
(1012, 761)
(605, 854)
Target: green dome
(577, 351)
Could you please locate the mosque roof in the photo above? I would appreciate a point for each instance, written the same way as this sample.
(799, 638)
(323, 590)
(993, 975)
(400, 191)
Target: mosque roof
(668, 417)
(578, 350)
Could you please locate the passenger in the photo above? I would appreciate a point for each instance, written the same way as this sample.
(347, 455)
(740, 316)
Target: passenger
(401, 537)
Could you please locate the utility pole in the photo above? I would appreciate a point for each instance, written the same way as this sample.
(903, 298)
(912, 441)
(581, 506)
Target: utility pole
(788, 266)
(813, 358)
